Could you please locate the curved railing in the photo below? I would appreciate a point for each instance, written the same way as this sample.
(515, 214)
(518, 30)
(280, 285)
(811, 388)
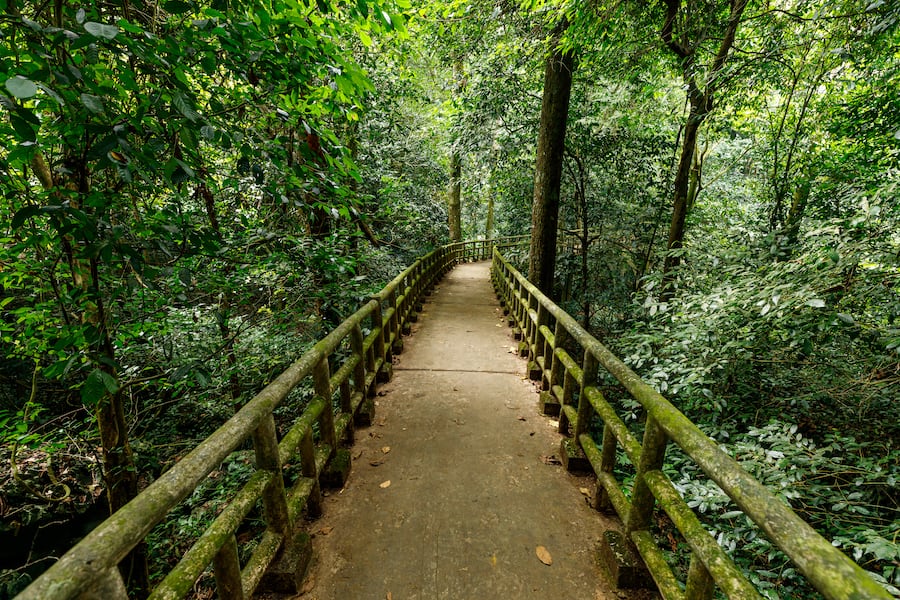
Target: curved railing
(548, 333)
(344, 369)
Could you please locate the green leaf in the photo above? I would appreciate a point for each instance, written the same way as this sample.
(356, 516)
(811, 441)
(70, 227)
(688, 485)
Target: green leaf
(184, 107)
(101, 30)
(24, 214)
(97, 385)
(24, 129)
(92, 103)
(21, 87)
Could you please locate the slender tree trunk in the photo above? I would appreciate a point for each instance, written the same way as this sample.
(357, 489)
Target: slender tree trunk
(453, 202)
(681, 198)
(489, 221)
(548, 168)
(119, 472)
(676, 33)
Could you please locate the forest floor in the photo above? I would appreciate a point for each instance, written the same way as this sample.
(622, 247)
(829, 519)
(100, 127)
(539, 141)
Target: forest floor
(456, 490)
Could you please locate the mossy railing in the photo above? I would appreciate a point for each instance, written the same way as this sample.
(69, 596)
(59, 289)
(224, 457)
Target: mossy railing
(344, 369)
(548, 334)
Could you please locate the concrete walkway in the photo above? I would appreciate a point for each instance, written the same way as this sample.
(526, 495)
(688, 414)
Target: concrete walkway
(454, 487)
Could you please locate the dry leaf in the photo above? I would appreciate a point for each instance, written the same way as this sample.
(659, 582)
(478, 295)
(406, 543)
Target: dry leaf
(376, 463)
(385, 449)
(585, 491)
(551, 460)
(389, 596)
(357, 454)
(385, 484)
(522, 419)
(544, 555)
(494, 560)
(325, 530)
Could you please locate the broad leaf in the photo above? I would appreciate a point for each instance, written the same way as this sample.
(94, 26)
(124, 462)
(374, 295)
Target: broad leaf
(101, 30)
(21, 87)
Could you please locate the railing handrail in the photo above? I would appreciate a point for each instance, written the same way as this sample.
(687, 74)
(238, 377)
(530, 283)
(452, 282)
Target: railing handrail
(90, 567)
(829, 570)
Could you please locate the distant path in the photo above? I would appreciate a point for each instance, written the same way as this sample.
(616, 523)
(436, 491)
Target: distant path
(470, 497)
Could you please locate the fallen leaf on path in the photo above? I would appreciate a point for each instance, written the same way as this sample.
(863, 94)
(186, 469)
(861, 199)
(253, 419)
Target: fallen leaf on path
(553, 423)
(385, 484)
(357, 454)
(385, 449)
(376, 463)
(494, 560)
(522, 419)
(325, 530)
(389, 596)
(544, 555)
(585, 491)
(551, 460)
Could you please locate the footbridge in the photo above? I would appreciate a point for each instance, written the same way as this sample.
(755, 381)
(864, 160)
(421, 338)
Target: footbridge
(456, 443)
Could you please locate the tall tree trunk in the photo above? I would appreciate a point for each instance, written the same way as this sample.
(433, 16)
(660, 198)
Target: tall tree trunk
(453, 201)
(119, 472)
(676, 33)
(681, 196)
(548, 168)
(489, 221)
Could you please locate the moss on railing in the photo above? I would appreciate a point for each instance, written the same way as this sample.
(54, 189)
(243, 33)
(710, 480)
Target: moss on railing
(830, 571)
(89, 569)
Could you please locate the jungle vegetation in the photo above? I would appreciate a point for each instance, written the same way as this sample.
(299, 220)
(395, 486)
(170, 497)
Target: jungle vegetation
(196, 190)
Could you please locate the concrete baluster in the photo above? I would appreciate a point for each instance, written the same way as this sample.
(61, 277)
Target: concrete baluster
(265, 445)
(322, 385)
(227, 570)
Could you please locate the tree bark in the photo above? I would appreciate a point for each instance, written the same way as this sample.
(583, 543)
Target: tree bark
(548, 168)
(453, 201)
(700, 96)
(681, 197)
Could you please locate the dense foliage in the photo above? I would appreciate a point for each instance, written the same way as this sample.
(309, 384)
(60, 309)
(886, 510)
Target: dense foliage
(194, 191)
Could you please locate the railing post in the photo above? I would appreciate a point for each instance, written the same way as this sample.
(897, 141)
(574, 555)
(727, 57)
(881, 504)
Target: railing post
(588, 378)
(322, 385)
(309, 470)
(536, 343)
(653, 451)
(109, 586)
(359, 372)
(265, 444)
(393, 326)
(608, 449)
(560, 339)
(699, 584)
(227, 570)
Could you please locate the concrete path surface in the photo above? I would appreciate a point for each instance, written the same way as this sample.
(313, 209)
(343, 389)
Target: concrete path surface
(453, 489)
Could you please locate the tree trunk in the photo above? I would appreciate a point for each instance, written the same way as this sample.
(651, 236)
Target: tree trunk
(489, 221)
(548, 168)
(681, 197)
(676, 32)
(453, 202)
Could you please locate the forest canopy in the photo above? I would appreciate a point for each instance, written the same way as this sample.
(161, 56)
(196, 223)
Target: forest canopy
(194, 192)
